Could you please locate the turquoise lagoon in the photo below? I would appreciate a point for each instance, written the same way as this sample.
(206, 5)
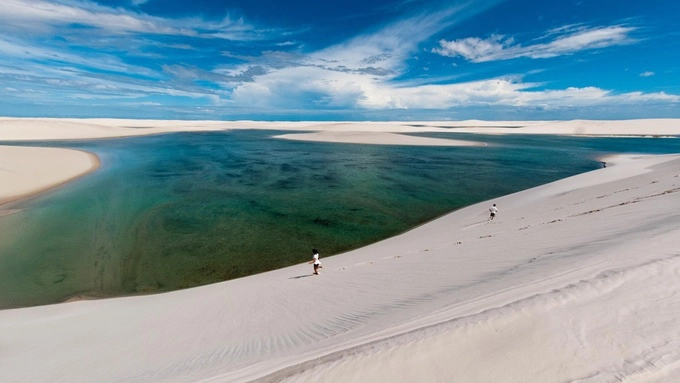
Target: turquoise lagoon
(174, 211)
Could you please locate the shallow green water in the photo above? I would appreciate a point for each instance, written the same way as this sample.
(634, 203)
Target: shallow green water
(174, 211)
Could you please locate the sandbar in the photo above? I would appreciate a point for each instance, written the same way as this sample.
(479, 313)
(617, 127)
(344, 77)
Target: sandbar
(26, 171)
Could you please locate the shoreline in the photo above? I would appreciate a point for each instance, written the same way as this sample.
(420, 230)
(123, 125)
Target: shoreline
(34, 171)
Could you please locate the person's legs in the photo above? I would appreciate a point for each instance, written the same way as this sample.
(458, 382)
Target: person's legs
(316, 269)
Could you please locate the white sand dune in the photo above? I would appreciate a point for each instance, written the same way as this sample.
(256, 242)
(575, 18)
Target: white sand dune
(575, 281)
(375, 138)
(29, 170)
(30, 129)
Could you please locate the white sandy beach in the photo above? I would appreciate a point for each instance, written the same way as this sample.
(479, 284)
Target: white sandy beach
(574, 281)
(28, 170)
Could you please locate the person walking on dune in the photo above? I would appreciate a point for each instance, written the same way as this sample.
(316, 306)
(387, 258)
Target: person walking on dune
(493, 210)
(315, 261)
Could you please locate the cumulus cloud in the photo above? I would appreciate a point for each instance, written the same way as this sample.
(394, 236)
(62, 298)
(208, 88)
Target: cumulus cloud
(303, 87)
(647, 74)
(355, 91)
(361, 73)
(563, 41)
(492, 92)
(342, 75)
(507, 92)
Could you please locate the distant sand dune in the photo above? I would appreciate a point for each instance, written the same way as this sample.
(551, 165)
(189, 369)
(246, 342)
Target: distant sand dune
(18, 181)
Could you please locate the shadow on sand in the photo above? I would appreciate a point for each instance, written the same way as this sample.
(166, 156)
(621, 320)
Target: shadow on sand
(302, 276)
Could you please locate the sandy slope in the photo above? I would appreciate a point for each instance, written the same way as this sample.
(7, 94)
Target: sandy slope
(28, 170)
(578, 280)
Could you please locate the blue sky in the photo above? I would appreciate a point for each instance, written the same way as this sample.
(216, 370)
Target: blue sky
(345, 60)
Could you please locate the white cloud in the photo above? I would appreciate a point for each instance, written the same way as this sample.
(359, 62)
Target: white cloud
(57, 84)
(647, 74)
(304, 87)
(473, 48)
(25, 53)
(341, 75)
(299, 87)
(358, 74)
(634, 97)
(506, 92)
(582, 40)
(568, 41)
(386, 48)
(42, 16)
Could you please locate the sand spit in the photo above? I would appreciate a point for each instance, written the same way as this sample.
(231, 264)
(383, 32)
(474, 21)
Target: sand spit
(577, 280)
(25, 171)
(376, 138)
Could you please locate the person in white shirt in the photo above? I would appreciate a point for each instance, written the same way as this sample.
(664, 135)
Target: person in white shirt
(493, 210)
(315, 261)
